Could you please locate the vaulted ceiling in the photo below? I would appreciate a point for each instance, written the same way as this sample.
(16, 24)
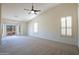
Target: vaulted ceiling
(15, 11)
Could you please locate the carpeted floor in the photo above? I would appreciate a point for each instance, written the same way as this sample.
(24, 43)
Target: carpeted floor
(26, 45)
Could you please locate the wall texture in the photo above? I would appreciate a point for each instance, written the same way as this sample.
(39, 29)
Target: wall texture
(49, 24)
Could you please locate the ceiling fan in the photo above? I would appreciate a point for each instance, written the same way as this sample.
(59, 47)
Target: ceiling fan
(32, 11)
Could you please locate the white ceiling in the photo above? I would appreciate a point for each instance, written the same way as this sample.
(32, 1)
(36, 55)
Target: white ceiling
(16, 11)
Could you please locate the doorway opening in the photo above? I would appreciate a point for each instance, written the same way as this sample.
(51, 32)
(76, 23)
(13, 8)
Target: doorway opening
(10, 30)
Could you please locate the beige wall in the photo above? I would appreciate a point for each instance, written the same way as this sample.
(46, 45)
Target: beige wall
(0, 25)
(49, 24)
(78, 25)
(23, 25)
(24, 28)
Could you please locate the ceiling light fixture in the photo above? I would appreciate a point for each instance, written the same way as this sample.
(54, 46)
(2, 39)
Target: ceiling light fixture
(32, 11)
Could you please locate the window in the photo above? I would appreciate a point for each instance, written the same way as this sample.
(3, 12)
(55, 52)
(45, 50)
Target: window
(66, 26)
(35, 27)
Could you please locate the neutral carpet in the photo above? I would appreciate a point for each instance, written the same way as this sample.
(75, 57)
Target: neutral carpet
(27, 45)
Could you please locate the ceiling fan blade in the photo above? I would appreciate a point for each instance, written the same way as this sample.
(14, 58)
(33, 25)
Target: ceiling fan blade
(35, 13)
(29, 12)
(27, 9)
(37, 10)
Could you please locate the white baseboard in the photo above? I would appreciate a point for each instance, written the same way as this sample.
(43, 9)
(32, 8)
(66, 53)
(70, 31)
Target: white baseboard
(56, 37)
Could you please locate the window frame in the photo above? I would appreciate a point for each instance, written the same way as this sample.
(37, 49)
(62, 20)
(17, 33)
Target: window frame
(66, 28)
(34, 27)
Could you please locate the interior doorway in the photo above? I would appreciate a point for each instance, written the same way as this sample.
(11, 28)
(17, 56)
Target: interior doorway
(10, 29)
